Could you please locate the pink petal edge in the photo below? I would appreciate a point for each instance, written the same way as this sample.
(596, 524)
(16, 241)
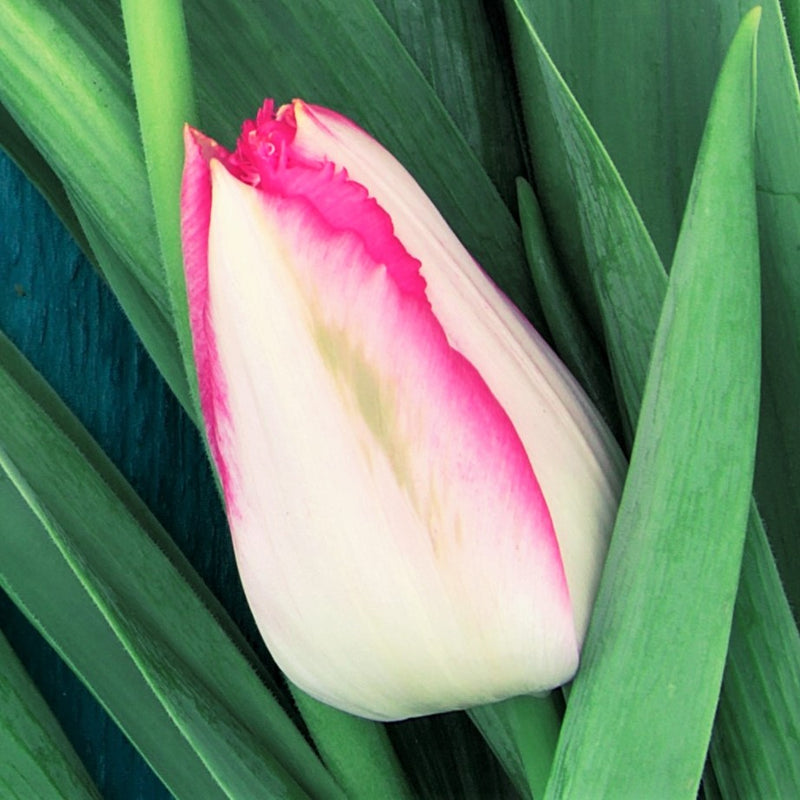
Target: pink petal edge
(195, 223)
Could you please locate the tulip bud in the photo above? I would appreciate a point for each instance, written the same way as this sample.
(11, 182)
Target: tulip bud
(419, 494)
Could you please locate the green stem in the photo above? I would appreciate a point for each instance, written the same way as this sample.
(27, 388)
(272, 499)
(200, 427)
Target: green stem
(162, 80)
(356, 751)
(523, 733)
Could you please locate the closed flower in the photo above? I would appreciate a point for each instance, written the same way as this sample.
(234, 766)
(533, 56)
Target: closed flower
(419, 494)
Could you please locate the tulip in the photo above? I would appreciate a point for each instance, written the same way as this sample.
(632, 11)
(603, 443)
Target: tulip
(419, 494)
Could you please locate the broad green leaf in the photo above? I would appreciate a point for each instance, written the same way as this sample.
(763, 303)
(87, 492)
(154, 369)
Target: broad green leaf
(42, 584)
(644, 77)
(653, 660)
(630, 284)
(36, 758)
(156, 606)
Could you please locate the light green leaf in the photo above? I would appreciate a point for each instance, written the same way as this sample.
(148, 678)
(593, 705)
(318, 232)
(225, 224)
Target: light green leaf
(522, 732)
(155, 31)
(357, 751)
(158, 609)
(653, 660)
(36, 758)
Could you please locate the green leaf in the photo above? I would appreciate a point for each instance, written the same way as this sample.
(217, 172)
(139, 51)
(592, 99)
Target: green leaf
(644, 78)
(36, 758)
(523, 732)
(572, 337)
(629, 288)
(653, 660)
(162, 79)
(74, 103)
(36, 576)
(356, 751)
(628, 285)
(459, 51)
(158, 609)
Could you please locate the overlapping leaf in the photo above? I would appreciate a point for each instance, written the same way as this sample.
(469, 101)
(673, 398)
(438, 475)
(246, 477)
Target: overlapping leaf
(36, 758)
(643, 73)
(652, 665)
(626, 284)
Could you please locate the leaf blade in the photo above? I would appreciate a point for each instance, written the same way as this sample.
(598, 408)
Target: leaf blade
(680, 529)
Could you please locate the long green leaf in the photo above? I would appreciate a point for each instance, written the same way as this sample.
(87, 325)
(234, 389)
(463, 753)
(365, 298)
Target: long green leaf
(523, 732)
(641, 710)
(41, 583)
(93, 147)
(149, 597)
(629, 286)
(357, 751)
(36, 759)
(644, 77)
(162, 79)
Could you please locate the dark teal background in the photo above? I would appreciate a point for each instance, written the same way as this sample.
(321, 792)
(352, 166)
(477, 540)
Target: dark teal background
(58, 311)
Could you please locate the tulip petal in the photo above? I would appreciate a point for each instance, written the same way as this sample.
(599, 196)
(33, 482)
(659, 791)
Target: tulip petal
(391, 536)
(195, 221)
(579, 466)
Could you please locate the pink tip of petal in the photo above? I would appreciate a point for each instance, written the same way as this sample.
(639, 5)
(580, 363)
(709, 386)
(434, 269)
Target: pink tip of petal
(265, 158)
